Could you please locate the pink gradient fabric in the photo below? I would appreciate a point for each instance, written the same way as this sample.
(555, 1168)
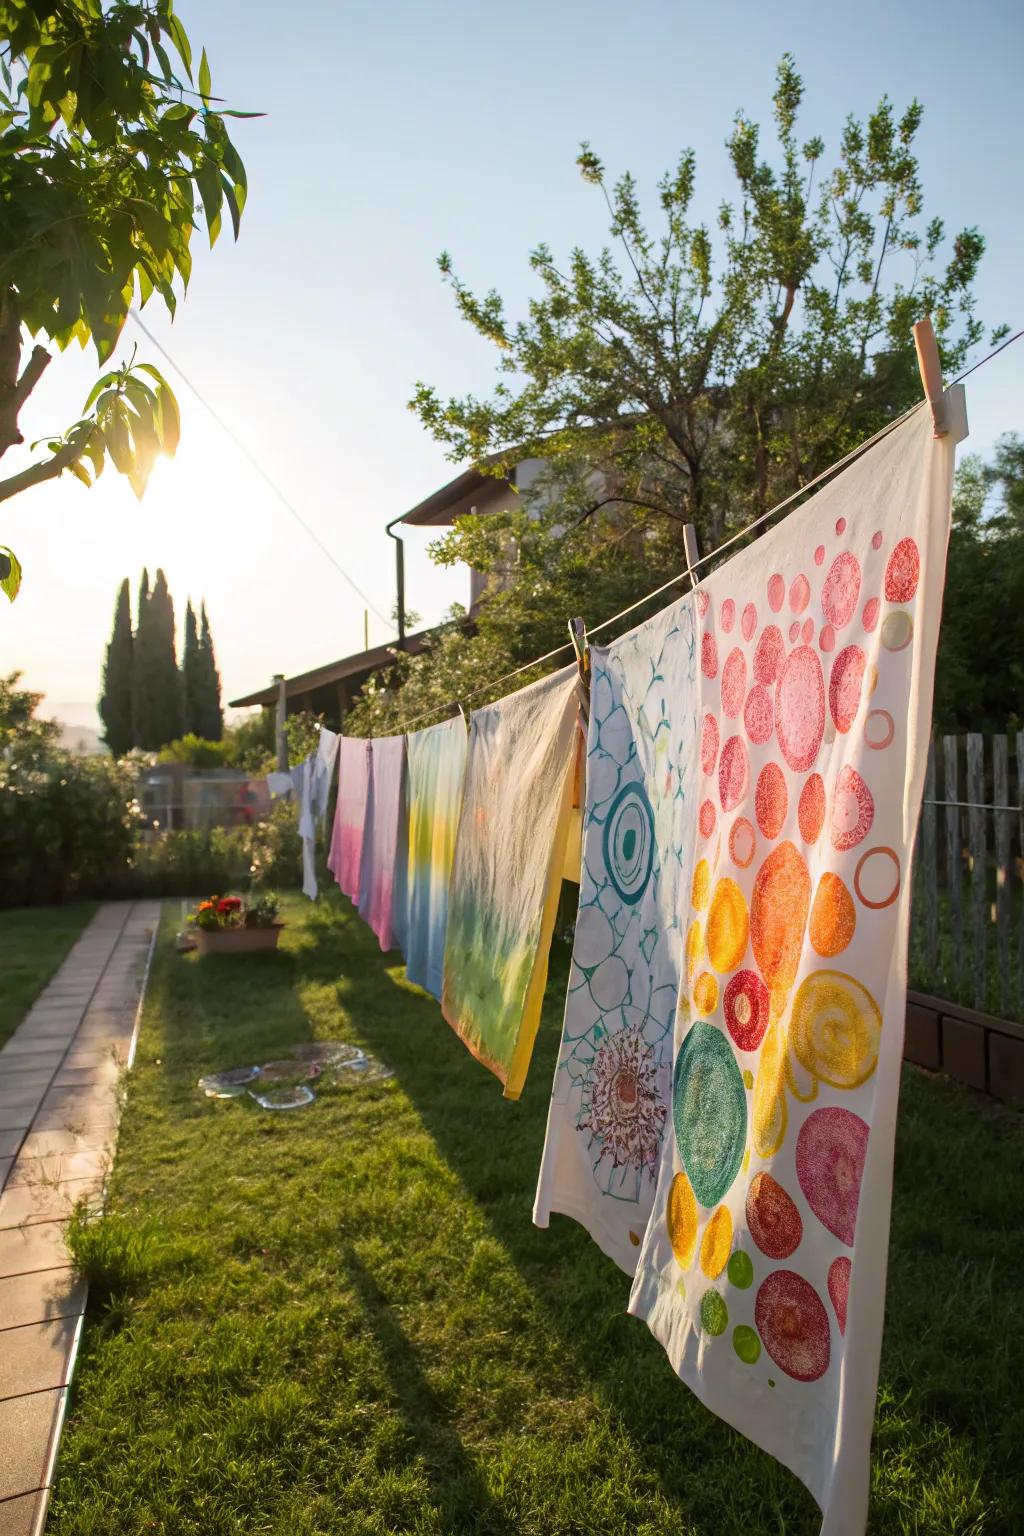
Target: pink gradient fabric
(382, 889)
(346, 852)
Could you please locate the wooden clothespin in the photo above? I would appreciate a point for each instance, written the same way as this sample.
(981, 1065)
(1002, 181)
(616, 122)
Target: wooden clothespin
(578, 636)
(931, 373)
(462, 711)
(692, 555)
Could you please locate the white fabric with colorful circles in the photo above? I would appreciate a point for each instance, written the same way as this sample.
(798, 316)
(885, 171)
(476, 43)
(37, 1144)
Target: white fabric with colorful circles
(763, 1265)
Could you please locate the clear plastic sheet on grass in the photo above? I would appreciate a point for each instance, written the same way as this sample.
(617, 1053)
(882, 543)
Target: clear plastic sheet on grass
(229, 1084)
(281, 1084)
(282, 1096)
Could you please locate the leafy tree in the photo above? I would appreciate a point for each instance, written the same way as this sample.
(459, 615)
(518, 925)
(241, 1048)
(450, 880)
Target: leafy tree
(703, 376)
(138, 708)
(979, 683)
(157, 684)
(696, 376)
(109, 155)
(191, 669)
(118, 670)
(23, 736)
(210, 715)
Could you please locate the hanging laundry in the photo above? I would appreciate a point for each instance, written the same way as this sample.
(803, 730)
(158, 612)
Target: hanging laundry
(611, 1093)
(345, 857)
(436, 768)
(312, 781)
(382, 884)
(507, 872)
(763, 1268)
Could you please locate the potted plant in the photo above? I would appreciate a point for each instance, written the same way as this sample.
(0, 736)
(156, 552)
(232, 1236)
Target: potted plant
(224, 924)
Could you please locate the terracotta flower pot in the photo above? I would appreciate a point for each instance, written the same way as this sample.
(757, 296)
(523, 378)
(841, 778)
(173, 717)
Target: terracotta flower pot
(230, 941)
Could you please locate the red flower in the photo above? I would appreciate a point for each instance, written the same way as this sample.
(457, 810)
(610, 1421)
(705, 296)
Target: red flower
(230, 904)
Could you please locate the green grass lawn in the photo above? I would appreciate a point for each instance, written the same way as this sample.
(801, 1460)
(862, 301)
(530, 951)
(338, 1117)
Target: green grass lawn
(342, 1320)
(33, 943)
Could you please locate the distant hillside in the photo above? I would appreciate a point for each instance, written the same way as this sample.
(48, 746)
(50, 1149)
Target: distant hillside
(81, 739)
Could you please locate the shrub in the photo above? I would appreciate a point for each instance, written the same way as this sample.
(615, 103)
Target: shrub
(67, 827)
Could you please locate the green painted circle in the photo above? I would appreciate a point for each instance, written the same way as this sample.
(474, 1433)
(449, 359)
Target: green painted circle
(709, 1112)
(741, 1271)
(746, 1344)
(629, 842)
(714, 1314)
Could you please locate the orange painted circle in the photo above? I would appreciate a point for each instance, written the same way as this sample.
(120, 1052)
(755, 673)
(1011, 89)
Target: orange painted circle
(865, 858)
(742, 842)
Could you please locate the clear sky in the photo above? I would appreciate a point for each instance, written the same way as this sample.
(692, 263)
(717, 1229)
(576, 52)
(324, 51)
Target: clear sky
(394, 131)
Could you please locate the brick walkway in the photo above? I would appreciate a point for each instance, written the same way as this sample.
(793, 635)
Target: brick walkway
(59, 1108)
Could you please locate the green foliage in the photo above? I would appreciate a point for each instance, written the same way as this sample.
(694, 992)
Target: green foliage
(190, 678)
(303, 732)
(110, 160)
(118, 674)
(197, 752)
(979, 682)
(701, 376)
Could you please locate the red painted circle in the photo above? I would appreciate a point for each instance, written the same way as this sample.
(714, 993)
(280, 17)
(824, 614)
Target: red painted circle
(902, 572)
(844, 686)
(841, 589)
(807, 632)
(771, 800)
(747, 1005)
(839, 1288)
(793, 1324)
(748, 623)
(733, 773)
(742, 842)
(776, 592)
(772, 1217)
(827, 638)
(734, 682)
(708, 655)
(853, 810)
(728, 615)
(830, 1152)
(819, 555)
(709, 744)
(759, 714)
(811, 810)
(708, 817)
(769, 653)
(799, 593)
(869, 618)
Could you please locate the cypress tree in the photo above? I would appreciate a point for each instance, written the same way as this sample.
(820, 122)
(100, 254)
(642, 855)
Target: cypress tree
(158, 691)
(140, 709)
(212, 714)
(116, 700)
(192, 675)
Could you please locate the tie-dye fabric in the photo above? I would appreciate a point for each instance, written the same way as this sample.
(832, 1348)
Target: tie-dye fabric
(312, 789)
(506, 877)
(611, 1090)
(436, 770)
(346, 852)
(763, 1266)
(382, 885)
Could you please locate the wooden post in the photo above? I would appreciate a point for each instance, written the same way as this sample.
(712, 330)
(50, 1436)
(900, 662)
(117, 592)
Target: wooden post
(1003, 829)
(954, 859)
(280, 715)
(690, 548)
(976, 827)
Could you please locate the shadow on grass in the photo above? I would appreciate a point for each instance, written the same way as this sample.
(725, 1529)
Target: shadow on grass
(948, 1415)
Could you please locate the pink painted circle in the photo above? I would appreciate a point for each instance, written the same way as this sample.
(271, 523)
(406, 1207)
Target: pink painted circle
(709, 744)
(876, 540)
(819, 555)
(771, 801)
(800, 708)
(869, 618)
(708, 817)
(742, 842)
(747, 1004)
(776, 592)
(807, 632)
(759, 714)
(728, 615)
(844, 686)
(703, 602)
(748, 623)
(734, 682)
(793, 1324)
(841, 525)
(799, 593)
(794, 632)
(902, 572)
(839, 1288)
(853, 810)
(841, 589)
(733, 773)
(830, 1152)
(768, 655)
(879, 729)
(827, 638)
(709, 655)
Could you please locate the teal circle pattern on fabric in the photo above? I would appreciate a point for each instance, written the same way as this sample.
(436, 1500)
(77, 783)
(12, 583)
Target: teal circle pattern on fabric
(629, 842)
(709, 1112)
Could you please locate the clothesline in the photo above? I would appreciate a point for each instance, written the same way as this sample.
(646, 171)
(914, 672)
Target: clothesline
(713, 554)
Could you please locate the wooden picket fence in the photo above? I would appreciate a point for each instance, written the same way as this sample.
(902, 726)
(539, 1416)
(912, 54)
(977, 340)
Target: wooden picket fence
(967, 922)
